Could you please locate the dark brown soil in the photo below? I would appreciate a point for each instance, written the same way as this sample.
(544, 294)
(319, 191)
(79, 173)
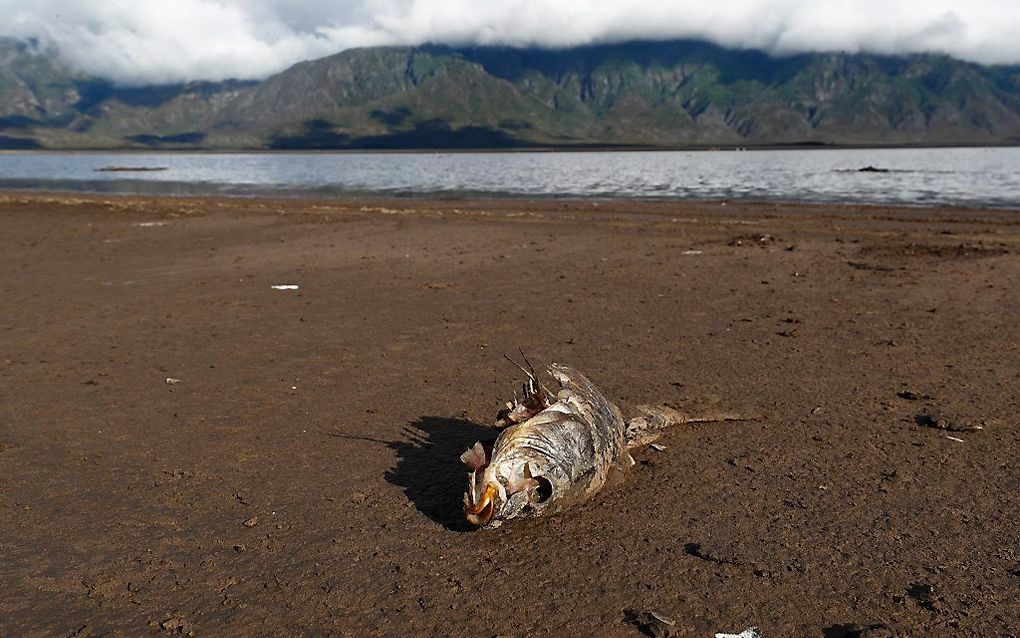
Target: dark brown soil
(298, 474)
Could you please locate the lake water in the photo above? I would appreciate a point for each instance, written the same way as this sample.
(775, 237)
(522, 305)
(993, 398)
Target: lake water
(958, 176)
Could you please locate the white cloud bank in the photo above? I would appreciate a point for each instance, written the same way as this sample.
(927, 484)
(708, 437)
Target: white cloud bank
(159, 41)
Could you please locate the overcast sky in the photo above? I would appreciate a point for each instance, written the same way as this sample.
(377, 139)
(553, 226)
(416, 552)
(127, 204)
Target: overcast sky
(158, 41)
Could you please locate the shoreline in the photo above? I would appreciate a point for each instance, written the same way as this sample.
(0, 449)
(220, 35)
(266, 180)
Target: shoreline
(162, 188)
(411, 204)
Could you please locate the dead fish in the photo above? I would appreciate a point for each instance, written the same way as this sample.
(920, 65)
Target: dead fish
(556, 452)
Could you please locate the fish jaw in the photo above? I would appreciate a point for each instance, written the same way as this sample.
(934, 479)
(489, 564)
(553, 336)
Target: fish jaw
(503, 490)
(480, 512)
(484, 494)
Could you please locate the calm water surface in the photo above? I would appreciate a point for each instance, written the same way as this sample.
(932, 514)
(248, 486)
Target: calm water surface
(959, 176)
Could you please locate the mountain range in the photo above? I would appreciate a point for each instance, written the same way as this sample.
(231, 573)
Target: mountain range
(639, 94)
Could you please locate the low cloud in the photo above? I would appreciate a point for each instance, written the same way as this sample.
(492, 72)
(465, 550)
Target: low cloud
(149, 41)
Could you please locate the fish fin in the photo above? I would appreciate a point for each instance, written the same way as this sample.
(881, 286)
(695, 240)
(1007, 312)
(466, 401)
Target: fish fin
(536, 397)
(617, 471)
(626, 460)
(475, 457)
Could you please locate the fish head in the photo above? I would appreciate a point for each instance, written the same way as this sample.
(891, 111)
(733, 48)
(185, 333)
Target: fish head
(504, 490)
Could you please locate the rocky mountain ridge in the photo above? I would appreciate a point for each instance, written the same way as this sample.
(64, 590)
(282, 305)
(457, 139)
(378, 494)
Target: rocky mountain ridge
(641, 94)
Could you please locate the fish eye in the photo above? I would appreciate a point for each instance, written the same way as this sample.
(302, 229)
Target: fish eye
(544, 490)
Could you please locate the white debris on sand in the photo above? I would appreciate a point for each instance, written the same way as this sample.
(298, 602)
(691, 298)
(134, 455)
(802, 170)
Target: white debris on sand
(150, 224)
(285, 287)
(750, 632)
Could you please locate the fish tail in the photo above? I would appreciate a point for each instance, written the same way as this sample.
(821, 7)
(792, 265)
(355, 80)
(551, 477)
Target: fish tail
(649, 425)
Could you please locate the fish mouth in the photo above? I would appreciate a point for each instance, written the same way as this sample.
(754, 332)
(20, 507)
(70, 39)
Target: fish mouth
(480, 513)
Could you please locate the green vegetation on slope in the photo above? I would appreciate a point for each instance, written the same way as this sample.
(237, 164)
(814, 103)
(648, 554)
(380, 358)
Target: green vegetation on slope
(637, 94)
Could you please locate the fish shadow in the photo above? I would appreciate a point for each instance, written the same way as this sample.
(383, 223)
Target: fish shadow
(429, 468)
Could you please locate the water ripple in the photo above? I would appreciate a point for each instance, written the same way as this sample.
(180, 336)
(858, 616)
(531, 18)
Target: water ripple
(958, 176)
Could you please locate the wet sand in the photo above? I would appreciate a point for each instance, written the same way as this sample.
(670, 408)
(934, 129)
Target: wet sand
(300, 474)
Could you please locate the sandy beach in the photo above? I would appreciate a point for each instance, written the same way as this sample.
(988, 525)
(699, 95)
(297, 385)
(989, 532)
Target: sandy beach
(187, 450)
